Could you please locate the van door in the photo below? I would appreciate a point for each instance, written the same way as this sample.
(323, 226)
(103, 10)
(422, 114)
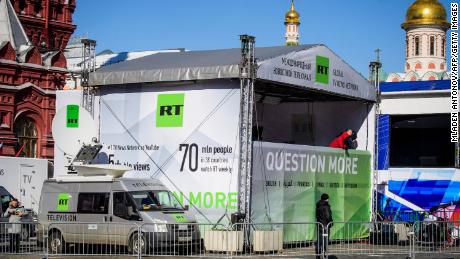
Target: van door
(93, 210)
(26, 173)
(124, 212)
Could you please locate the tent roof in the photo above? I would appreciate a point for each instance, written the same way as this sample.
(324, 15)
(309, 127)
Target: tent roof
(202, 58)
(182, 66)
(10, 27)
(224, 63)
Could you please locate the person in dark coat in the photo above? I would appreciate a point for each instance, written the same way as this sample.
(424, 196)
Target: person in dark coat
(15, 213)
(324, 217)
(351, 142)
(339, 141)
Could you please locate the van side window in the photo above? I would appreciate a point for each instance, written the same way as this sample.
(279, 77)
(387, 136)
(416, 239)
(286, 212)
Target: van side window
(123, 206)
(94, 203)
(5, 200)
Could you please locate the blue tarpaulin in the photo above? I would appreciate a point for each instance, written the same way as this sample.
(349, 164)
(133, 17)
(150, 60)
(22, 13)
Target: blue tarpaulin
(383, 141)
(415, 86)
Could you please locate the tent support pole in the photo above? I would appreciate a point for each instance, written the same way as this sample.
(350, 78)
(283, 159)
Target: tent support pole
(374, 77)
(248, 70)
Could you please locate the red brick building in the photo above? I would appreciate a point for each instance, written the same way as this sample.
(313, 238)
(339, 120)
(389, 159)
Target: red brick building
(33, 34)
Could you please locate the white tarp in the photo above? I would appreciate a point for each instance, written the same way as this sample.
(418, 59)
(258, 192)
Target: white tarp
(191, 132)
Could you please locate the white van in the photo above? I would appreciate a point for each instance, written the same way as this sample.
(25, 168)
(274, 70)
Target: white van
(72, 206)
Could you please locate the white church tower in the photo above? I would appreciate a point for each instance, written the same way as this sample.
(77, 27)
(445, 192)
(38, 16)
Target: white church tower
(426, 26)
(292, 26)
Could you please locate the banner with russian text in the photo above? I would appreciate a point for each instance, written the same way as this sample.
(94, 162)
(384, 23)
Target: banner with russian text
(288, 180)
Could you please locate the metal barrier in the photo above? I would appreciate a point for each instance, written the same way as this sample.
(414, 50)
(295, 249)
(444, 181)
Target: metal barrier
(239, 240)
(20, 238)
(436, 237)
(183, 239)
(277, 239)
(369, 238)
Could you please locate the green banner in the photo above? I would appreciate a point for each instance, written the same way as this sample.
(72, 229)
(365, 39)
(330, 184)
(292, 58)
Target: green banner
(63, 202)
(170, 110)
(288, 180)
(72, 115)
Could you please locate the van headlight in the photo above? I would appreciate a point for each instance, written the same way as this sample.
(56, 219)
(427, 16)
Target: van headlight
(156, 226)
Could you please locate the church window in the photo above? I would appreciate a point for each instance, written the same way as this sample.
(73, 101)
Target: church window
(26, 132)
(442, 66)
(22, 5)
(431, 66)
(417, 46)
(37, 8)
(432, 45)
(407, 66)
(418, 66)
(407, 47)
(443, 47)
(432, 78)
(5, 118)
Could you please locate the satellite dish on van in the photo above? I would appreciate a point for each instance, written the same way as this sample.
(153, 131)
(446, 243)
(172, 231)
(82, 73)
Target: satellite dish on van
(114, 171)
(72, 127)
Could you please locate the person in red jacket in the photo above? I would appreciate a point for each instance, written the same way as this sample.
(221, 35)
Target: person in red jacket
(339, 142)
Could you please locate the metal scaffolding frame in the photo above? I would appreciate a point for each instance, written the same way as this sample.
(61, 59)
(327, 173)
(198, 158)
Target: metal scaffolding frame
(374, 78)
(248, 71)
(88, 65)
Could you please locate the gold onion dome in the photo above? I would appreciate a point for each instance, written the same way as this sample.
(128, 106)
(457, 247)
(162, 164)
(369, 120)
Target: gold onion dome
(292, 16)
(426, 12)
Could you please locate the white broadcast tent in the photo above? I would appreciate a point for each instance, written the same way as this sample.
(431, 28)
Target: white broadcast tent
(175, 116)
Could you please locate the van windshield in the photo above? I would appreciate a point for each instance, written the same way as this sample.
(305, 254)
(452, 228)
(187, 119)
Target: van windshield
(156, 200)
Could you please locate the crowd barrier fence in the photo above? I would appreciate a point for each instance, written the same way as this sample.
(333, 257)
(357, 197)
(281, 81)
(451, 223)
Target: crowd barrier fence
(143, 240)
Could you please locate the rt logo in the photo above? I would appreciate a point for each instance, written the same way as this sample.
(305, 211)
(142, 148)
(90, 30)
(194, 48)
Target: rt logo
(62, 202)
(170, 110)
(322, 70)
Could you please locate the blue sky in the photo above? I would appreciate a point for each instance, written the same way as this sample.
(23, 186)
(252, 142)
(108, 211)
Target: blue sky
(353, 29)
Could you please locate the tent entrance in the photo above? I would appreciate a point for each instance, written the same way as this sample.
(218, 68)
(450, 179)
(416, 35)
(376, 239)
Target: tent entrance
(289, 114)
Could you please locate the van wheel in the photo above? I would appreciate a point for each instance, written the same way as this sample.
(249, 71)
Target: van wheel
(56, 243)
(138, 243)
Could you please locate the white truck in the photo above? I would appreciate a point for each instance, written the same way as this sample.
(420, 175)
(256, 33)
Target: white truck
(24, 177)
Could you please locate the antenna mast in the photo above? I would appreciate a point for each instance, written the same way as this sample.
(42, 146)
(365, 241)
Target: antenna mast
(88, 65)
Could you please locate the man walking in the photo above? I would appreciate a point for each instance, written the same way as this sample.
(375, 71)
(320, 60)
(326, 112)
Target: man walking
(323, 217)
(15, 214)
